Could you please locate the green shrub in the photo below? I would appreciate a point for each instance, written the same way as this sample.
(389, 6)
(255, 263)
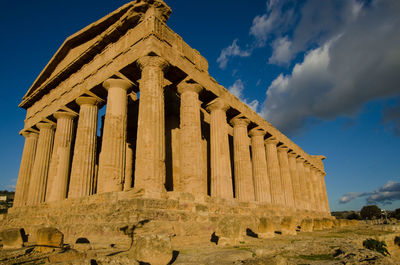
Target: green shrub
(370, 212)
(376, 245)
(397, 241)
(354, 216)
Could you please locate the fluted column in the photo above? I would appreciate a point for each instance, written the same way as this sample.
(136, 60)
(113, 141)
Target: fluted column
(285, 175)
(303, 183)
(150, 147)
(324, 193)
(221, 174)
(244, 187)
(317, 189)
(191, 160)
(84, 158)
(37, 185)
(294, 174)
(25, 169)
(113, 148)
(274, 172)
(57, 182)
(310, 190)
(262, 188)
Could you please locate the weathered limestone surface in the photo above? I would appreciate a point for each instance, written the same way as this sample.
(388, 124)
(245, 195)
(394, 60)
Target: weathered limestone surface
(167, 150)
(84, 159)
(244, 187)
(37, 185)
(150, 149)
(324, 194)
(310, 190)
(24, 176)
(262, 188)
(285, 175)
(112, 156)
(12, 238)
(294, 174)
(317, 189)
(191, 156)
(221, 174)
(58, 178)
(274, 172)
(303, 183)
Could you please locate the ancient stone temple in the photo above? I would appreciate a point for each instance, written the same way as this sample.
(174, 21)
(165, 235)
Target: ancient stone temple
(173, 147)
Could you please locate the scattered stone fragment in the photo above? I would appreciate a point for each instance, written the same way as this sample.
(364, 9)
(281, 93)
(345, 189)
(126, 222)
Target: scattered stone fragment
(13, 238)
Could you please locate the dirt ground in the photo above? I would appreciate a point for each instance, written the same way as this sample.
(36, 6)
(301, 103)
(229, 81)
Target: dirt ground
(334, 246)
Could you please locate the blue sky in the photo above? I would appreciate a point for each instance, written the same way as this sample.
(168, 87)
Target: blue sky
(327, 73)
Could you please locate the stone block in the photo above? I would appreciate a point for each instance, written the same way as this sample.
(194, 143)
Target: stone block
(306, 225)
(288, 226)
(152, 249)
(327, 223)
(267, 227)
(229, 227)
(49, 237)
(13, 238)
(318, 225)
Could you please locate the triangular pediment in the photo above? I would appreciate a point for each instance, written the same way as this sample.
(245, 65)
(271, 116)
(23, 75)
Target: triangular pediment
(77, 44)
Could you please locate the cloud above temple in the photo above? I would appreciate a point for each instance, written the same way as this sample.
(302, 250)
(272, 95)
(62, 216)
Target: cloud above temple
(352, 64)
(232, 50)
(337, 56)
(385, 195)
(237, 89)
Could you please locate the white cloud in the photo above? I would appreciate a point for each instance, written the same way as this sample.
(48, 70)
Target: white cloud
(385, 195)
(231, 51)
(351, 67)
(281, 51)
(237, 89)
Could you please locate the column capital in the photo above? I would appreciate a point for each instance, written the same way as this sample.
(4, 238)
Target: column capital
(27, 134)
(292, 154)
(64, 114)
(271, 140)
(152, 61)
(283, 148)
(114, 82)
(189, 85)
(257, 132)
(300, 159)
(84, 100)
(240, 121)
(217, 104)
(307, 163)
(45, 125)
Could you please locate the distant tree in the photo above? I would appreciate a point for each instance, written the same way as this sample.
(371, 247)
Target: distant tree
(370, 212)
(396, 214)
(354, 216)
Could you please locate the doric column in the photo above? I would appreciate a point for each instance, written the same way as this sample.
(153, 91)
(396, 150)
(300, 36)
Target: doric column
(316, 188)
(274, 172)
(285, 175)
(191, 160)
(324, 193)
(262, 189)
(310, 189)
(303, 183)
(24, 176)
(37, 185)
(221, 174)
(150, 147)
(113, 148)
(84, 158)
(244, 187)
(57, 182)
(294, 174)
